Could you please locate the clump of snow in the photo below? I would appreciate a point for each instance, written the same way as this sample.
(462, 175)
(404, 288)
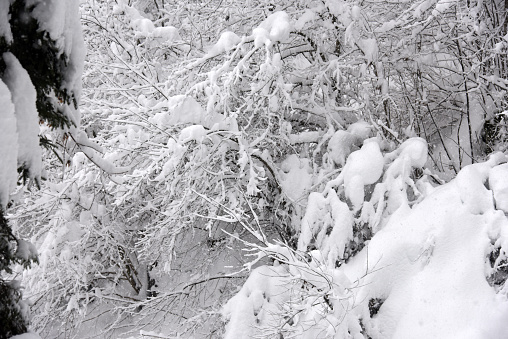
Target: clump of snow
(192, 133)
(25, 250)
(361, 129)
(327, 225)
(304, 137)
(256, 303)
(168, 33)
(5, 27)
(24, 97)
(422, 7)
(340, 146)
(8, 145)
(442, 6)
(470, 185)
(413, 151)
(363, 167)
(307, 16)
(355, 12)
(296, 176)
(275, 28)
(143, 25)
(369, 48)
(182, 109)
(227, 41)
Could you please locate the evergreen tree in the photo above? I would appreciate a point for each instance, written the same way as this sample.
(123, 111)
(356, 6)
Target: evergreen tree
(31, 36)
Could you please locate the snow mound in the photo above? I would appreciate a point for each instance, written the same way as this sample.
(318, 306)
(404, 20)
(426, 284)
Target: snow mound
(432, 267)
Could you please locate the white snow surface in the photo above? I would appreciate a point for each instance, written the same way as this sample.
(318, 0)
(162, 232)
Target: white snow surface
(8, 145)
(430, 263)
(27, 118)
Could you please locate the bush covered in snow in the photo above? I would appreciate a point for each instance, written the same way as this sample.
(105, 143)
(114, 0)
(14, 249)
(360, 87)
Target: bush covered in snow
(310, 134)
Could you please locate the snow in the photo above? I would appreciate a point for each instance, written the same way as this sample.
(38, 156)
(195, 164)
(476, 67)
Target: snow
(168, 33)
(253, 304)
(340, 145)
(361, 129)
(498, 183)
(427, 264)
(27, 118)
(369, 48)
(422, 7)
(334, 245)
(226, 42)
(25, 250)
(363, 167)
(8, 145)
(29, 335)
(442, 6)
(182, 109)
(431, 270)
(275, 28)
(426, 257)
(193, 132)
(413, 151)
(355, 12)
(296, 176)
(473, 193)
(143, 25)
(304, 137)
(307, 16)
(5, 28)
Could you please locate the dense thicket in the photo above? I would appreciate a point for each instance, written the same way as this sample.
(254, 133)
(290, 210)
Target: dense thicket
(224, 124)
